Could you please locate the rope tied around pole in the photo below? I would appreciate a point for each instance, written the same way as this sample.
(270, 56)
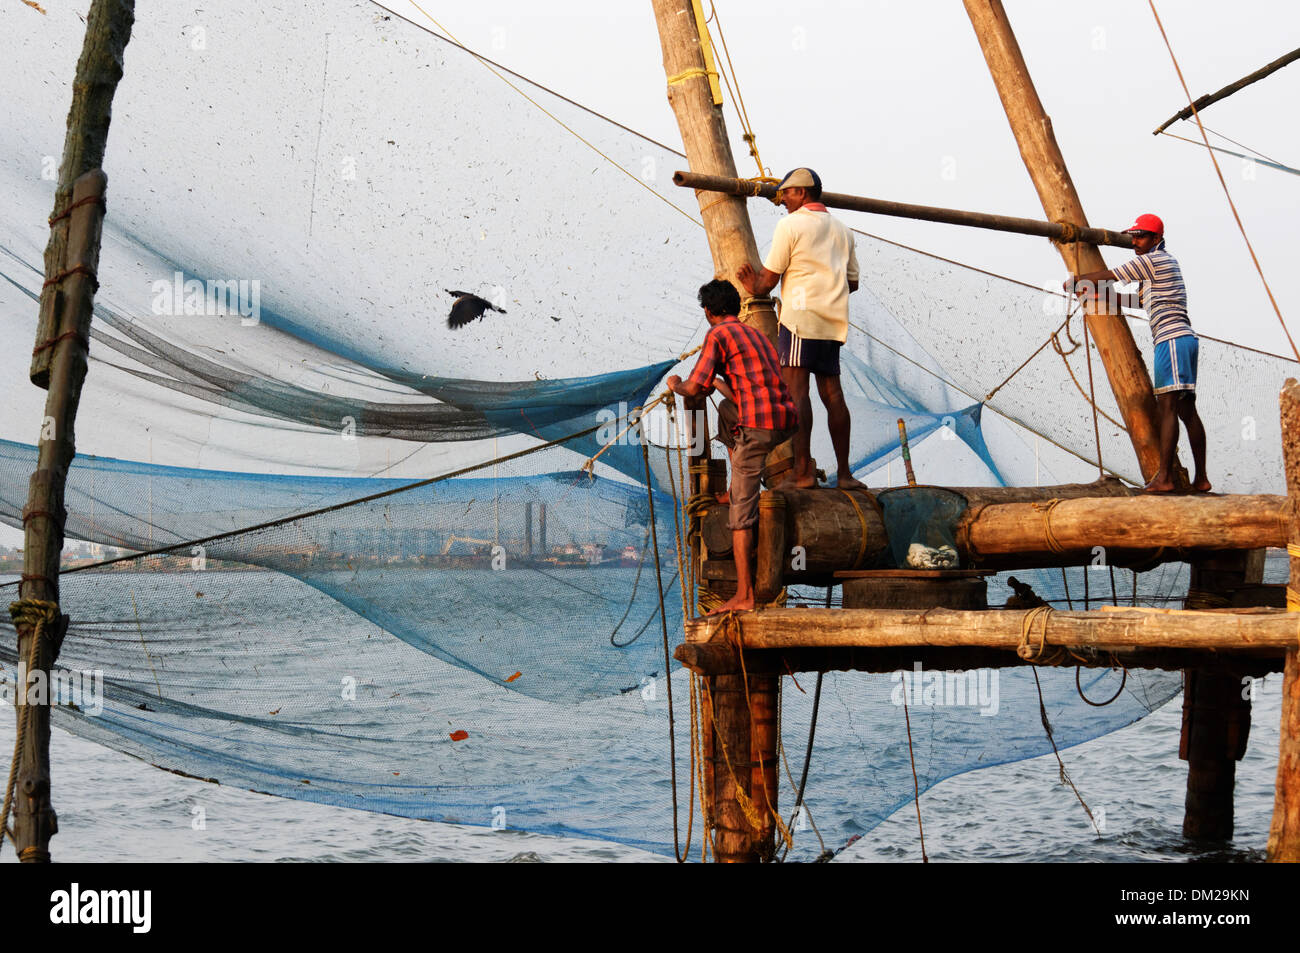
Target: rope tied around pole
(1038, 655)
(74, 270)
(67, 212)
(1046, 509)
(40, 616)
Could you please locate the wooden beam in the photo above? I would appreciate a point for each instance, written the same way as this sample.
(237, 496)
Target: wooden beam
(691, 75)
(108, 28)
(1106, 630)
(749, 188)
(1185, 522)
(1284, 832)
(1032, 127)
(1228, 90)
(994, 532)
(714, 658)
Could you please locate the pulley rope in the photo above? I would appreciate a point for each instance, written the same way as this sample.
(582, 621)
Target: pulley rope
(1223, 182)
(1065, 775)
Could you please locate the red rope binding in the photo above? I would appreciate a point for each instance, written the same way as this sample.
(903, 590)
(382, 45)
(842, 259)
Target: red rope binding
(75, 335)
(89, 199)
(74, 270)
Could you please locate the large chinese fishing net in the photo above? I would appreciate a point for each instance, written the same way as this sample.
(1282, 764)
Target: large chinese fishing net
(481, 638)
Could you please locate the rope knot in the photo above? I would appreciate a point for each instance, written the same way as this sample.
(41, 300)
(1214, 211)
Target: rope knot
(1037, 655)
(34, 613)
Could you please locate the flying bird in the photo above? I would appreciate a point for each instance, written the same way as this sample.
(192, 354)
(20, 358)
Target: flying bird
(467, 307)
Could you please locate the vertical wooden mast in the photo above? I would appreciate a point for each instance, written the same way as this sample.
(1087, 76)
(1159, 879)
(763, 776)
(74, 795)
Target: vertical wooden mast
(1128, 375)
(692, 80)
(59, 365)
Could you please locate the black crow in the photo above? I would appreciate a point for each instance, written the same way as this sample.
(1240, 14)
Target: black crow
(467, 307)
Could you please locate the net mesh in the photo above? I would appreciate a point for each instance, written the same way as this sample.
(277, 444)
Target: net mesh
(484, 643)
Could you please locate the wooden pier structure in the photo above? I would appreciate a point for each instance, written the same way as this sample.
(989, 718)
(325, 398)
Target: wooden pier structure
(1231, 626)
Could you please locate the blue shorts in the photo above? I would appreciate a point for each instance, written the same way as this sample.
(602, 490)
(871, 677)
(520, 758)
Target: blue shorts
(819, 356)
(1176, 364)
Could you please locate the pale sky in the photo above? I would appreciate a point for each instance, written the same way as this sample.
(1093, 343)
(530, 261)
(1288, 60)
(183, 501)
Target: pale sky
(893, 100)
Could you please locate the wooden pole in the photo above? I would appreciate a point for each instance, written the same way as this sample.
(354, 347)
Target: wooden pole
(39, 624)
(1228, 90)
(1216, 705)
(995, 532)
(108, 28)
(857, 203)
(692, 78)
(1128, 376)
(1106, 630)
(1284, 833)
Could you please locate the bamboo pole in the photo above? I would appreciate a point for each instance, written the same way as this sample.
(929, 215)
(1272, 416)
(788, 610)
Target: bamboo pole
(1108, 630)
(928, 213)
(692, 76)
(1284, 832)
(39, 624)
(108, 28)
(1228, 90)
(1128, 376)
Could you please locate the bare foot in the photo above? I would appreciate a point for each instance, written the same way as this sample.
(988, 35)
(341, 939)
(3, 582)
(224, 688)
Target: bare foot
(734, 604)
(805, 483)
(1201, 486)
(1160, 486)
(724, 497)
(845, 481)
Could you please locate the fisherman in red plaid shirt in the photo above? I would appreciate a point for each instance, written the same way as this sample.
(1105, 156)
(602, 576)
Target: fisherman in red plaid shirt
(756, 415)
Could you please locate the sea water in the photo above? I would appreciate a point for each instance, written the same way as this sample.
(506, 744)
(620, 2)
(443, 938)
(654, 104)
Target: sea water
(115, 808)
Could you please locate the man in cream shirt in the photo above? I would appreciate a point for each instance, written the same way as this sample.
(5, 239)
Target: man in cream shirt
(812, 257)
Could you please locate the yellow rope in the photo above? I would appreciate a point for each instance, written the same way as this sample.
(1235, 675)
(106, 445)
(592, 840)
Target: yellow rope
(1293, 550)
(38, 615)
(1025, 650)
(678, 78)
(862, 521)
(733, 87)
(634, 418)
(1046, 509)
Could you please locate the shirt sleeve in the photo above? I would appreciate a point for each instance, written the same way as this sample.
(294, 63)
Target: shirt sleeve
(852, 271)
(706, 368)
(1139, 269)
(778, 258)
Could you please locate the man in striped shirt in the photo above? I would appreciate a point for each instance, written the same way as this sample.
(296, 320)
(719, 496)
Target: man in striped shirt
(1163, 296)
(756, 415)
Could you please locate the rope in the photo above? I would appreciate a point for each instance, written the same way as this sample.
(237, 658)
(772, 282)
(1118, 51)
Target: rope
(1223, 182)
(1056, 346)
(65, 336)
(1065, 775)
(1046, 510)
(748, 134)
(38, 615)
(491, 67)
(635, 417)
(679, 78)
(89, 200)
(74, 270)
(680, 855)
(961, 390)
(1029, 653)
(1092, 391)
(1052, 338)
(1119, 691)
(1265, 161)
(862, 522)
(916, 786)
(281, 521)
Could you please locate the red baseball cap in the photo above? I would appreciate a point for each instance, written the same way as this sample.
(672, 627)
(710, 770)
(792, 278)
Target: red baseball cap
(1148, 223)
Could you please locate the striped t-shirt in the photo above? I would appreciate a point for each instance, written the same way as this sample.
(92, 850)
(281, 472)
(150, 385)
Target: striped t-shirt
(1163, 294)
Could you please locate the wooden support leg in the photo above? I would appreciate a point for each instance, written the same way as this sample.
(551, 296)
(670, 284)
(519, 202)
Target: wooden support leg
(1284, 833)
(741, 766)
(770, 547)
(1216, 705)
